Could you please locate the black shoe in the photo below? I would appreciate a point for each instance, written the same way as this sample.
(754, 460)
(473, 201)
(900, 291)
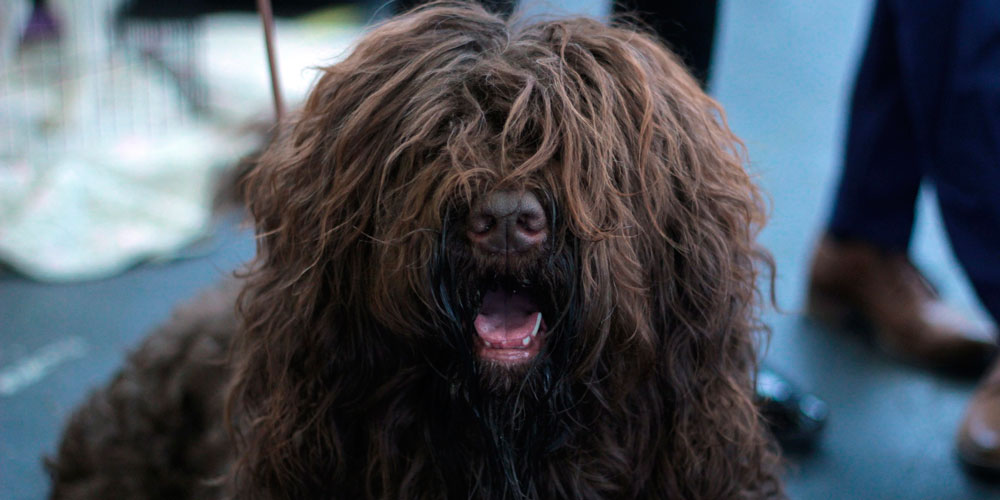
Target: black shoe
(795, 418)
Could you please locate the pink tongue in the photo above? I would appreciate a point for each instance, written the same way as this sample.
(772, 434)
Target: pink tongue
(506, 319)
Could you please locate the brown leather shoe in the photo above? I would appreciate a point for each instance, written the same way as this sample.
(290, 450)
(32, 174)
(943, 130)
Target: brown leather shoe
(853, 280)
(979, 434)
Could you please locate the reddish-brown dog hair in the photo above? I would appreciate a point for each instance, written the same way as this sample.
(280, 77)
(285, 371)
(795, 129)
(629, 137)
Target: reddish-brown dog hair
(346, 385)
(359, 366)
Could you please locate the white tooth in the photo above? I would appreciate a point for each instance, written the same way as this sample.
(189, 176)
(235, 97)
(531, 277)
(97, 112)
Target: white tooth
(526, 341)
(538, 324)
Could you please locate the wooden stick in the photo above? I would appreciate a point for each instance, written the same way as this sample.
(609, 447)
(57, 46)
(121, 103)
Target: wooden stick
(267, 19)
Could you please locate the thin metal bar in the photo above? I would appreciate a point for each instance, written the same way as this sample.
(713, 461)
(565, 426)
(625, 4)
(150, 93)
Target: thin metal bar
(267, 19)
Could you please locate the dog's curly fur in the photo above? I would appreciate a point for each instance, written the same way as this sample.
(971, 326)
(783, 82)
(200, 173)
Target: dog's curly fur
(354, 374)
(156, 431)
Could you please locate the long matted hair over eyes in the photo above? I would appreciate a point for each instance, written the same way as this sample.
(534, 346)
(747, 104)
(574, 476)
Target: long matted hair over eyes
(337, 393)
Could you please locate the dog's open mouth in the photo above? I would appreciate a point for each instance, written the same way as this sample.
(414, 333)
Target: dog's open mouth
(510, 326)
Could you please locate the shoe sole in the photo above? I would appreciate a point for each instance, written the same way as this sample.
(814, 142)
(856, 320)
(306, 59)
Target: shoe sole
(837, 313)
(834, 311)
(982, 472)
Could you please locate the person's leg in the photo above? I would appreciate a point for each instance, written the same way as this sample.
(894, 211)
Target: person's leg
(967, 179)
(881, 171)
(862, 268)
(966, 171)
(687, 27)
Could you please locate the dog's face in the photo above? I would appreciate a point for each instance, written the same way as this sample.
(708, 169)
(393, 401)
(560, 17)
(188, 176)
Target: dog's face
(507, 238)
(563, 189)
(539, 236)
(504, 278)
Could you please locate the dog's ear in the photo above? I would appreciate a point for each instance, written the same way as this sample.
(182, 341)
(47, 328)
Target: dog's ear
(700, 212)
(357, 174)
(652, 181)
(335, 244)
(670, 249)
(703, 213)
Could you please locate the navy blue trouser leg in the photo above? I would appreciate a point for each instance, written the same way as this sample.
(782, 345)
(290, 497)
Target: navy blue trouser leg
(966, 171)
(886, 156)
(926, 106)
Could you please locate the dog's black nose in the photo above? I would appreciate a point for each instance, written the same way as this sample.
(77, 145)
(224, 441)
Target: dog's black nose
(508, 222)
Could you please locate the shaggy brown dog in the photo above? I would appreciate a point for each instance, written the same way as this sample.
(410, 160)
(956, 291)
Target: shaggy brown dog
(495, 261)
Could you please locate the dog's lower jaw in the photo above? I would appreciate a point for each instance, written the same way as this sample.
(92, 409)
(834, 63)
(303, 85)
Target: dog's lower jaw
(509, 327)
(502, 356)
(519, 351)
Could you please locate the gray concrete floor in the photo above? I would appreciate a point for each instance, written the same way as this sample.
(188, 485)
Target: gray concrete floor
(782, 71)
(70, 339)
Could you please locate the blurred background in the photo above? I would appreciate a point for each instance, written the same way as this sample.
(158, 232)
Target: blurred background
(118, 119)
